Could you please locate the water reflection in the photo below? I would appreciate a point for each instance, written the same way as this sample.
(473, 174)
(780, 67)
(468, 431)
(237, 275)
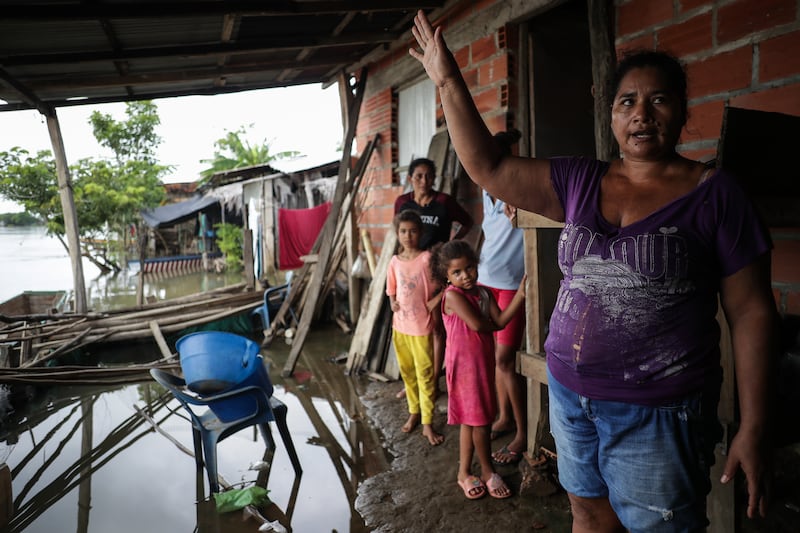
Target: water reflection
(84, 458)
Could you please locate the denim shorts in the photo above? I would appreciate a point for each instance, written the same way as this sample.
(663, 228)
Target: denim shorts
(652, 463)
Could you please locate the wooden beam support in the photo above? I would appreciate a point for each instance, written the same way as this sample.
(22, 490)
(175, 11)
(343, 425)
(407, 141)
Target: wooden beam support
(601, 39)
(328, 231)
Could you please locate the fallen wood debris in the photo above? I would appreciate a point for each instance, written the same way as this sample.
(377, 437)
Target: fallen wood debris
(35, 342)
(83, 375)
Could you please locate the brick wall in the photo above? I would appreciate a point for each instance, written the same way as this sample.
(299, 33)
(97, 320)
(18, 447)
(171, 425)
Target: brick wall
(742, 53)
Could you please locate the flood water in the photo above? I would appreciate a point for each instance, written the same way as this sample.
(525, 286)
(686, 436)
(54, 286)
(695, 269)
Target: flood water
(84, 458)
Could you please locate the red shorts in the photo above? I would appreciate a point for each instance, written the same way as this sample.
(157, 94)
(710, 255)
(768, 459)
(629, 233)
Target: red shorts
(511, 335)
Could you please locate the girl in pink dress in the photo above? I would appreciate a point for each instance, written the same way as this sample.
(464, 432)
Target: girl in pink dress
(470, 314)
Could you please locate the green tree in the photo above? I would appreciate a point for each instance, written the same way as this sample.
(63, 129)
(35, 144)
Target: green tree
(108, 194)
(234, 151)
(230, 240)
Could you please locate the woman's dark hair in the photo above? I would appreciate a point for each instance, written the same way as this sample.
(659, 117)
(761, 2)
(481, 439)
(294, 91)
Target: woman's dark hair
(407, 215)
(443, 253)
(421, 161)
(668, 65)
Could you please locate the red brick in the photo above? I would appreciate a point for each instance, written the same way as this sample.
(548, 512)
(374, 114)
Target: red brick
(686, 5)
(496, 123)
(705, 121)
(493, 71)
(786, 261)
(720, 73)
(641, 14)
(487, 100)
(483, 48)
(380, 99)
(643, 42)
(687, 37)
(779, 57)
(784, 99)
(470, 77)
(745, 17)
(462, 57)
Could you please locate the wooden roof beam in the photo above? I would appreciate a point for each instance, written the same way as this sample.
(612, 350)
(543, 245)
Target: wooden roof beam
(26, 94)
(137, 10)
(92, 100)
(167, 76)
(201, 50)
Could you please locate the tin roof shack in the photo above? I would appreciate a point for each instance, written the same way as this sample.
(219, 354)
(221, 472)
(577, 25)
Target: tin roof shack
(179, 233)
(263, 190)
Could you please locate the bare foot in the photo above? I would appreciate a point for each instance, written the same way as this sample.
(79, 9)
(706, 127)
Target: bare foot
(401, 393)
(434, 438)
(411, 423)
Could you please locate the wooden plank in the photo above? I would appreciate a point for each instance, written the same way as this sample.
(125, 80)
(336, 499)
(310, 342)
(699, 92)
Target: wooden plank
(247, 259)
(160, 340)
(533, 365)
(368, 251)
(376, 294)
(68, 207)
(437, 152)
(601, 38)
(528, 219)
(544, 276)
(328, 231)
(6, 496)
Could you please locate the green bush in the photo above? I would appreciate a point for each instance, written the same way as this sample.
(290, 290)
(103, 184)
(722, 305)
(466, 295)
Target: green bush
(230, 241)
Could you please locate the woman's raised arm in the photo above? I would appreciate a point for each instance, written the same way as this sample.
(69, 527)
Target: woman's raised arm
(524, 182)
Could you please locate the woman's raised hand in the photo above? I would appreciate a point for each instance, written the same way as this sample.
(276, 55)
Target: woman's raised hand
(435, 57)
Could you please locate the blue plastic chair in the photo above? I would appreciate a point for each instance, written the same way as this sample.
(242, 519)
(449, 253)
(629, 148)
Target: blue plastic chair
(224, 373)
(273, 299)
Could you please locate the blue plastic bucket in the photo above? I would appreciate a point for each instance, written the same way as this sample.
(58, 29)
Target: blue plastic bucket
(214, 361)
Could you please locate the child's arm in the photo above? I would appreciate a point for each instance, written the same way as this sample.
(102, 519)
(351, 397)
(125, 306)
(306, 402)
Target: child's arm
(456, 303)
(391, 287)
(502, 318)
(434, 302)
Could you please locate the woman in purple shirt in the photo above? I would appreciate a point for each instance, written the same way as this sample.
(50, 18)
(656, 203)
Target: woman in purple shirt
(651, 240)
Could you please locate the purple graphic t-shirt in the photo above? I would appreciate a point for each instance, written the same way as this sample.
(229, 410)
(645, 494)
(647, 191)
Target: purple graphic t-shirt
(635, 315)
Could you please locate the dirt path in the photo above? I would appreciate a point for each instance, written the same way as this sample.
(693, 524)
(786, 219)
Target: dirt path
(419, 492)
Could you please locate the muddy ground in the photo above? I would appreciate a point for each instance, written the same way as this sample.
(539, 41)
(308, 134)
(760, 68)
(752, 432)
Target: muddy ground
(419, 492)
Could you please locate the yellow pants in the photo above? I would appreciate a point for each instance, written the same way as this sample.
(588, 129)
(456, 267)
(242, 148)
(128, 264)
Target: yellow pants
(415, 359)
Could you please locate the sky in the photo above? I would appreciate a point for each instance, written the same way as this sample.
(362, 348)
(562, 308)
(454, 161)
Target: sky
(303, 118)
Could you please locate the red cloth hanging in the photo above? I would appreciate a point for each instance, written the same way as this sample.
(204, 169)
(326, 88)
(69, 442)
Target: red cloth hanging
(297, 231)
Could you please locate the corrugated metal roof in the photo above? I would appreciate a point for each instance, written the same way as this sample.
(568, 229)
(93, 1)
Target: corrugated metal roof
(67, 52)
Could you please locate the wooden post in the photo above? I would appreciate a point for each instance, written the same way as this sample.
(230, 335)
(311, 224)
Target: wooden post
(247, 258)
(68, 206)
(601, 38)
(368, 251)
(141, 239)
(541, 241)
(363, 333)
